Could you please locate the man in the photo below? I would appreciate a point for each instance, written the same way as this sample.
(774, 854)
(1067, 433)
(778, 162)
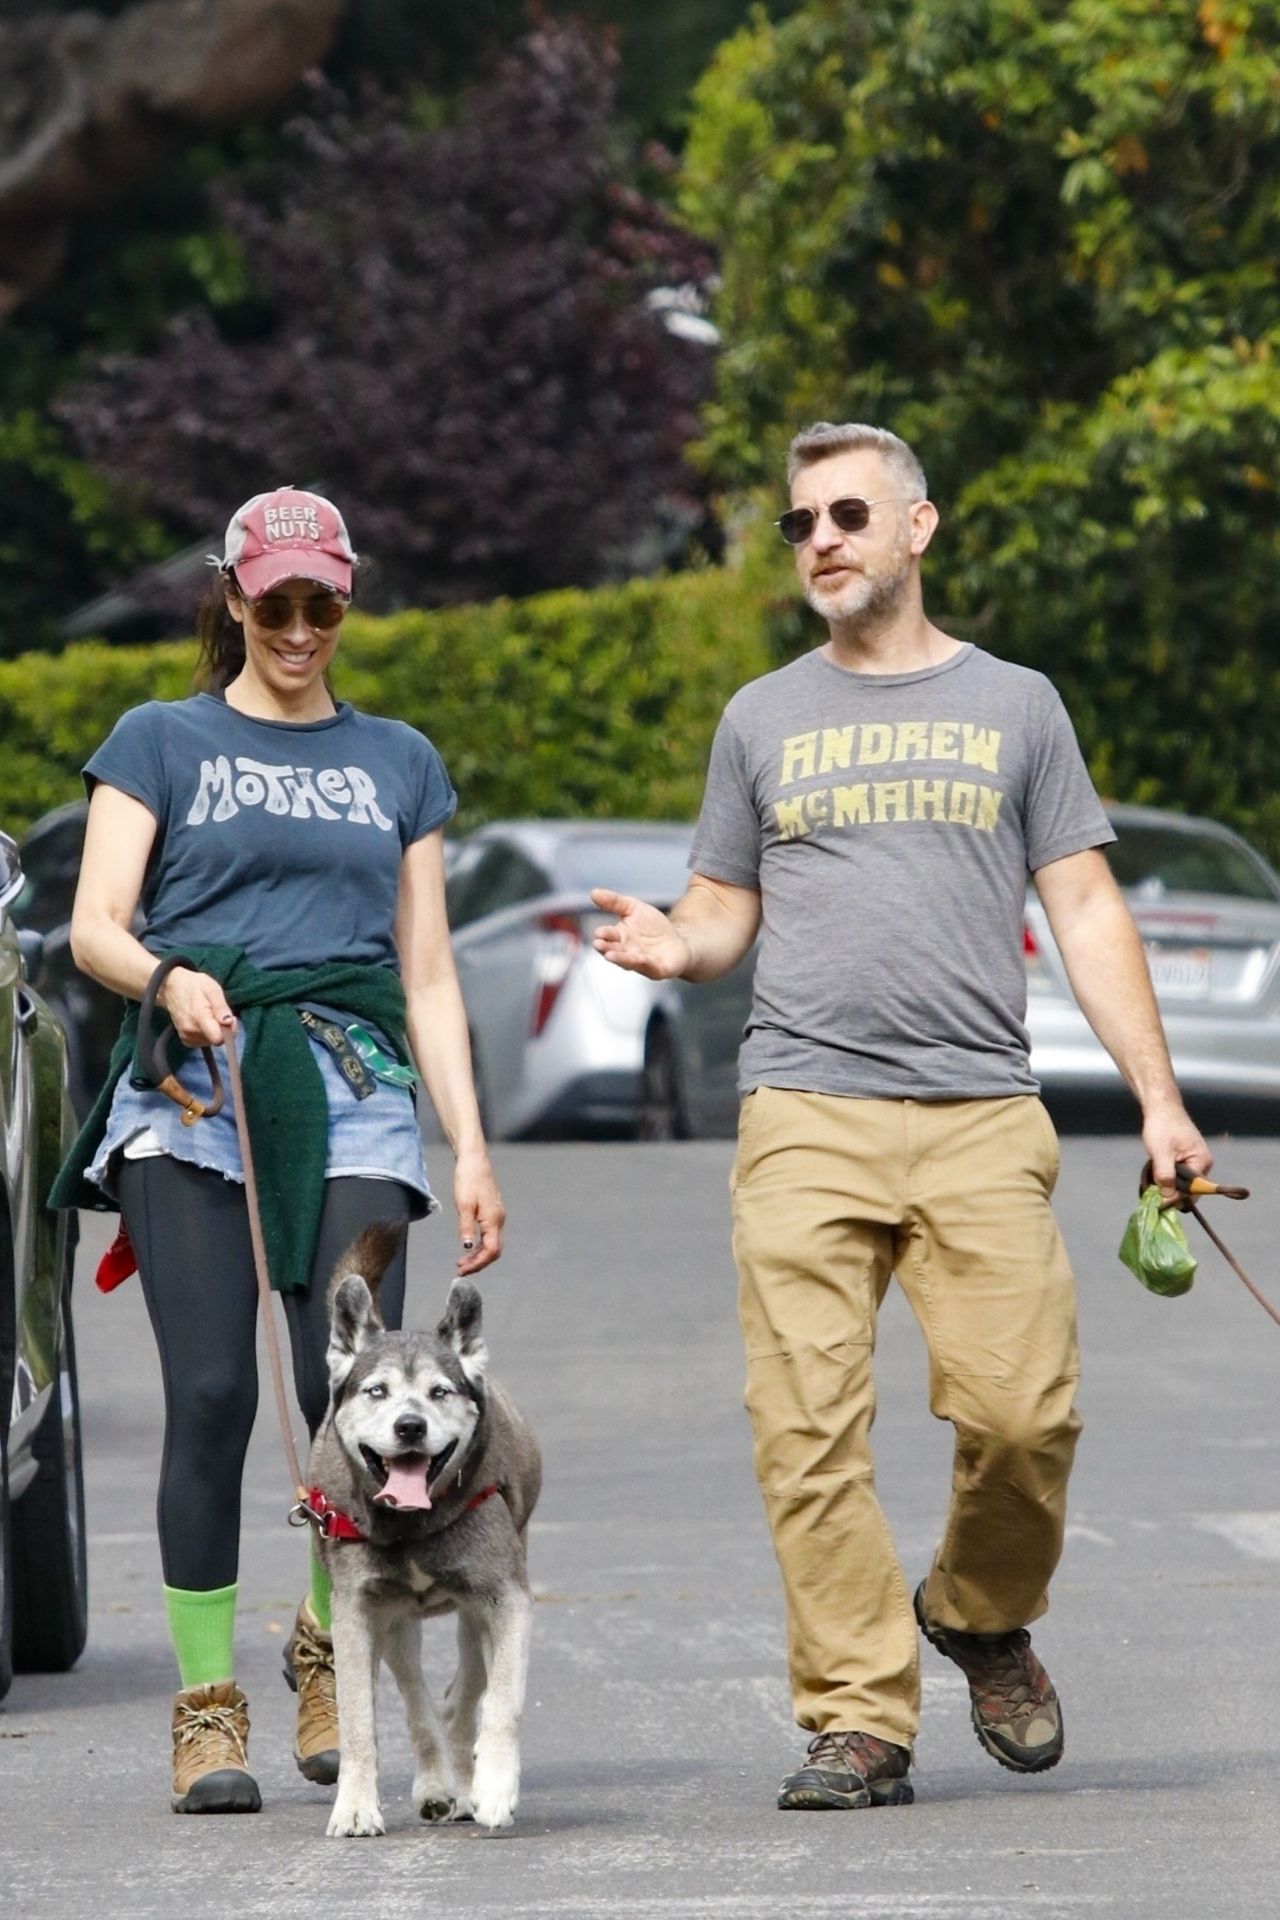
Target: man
(879, 803)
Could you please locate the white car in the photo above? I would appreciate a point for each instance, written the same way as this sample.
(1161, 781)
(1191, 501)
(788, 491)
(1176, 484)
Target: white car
(557, 1034)
(1208, 908)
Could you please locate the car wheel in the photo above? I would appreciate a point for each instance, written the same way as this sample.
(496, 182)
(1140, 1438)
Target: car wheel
(661, 1115)
(50, 1574)
(6, 1562)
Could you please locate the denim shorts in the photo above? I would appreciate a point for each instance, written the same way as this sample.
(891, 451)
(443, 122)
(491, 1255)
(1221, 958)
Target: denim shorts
(377, 1138)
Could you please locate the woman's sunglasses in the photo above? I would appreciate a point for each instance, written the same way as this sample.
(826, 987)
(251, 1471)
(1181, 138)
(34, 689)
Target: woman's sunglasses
(274, 612)
(850, 515)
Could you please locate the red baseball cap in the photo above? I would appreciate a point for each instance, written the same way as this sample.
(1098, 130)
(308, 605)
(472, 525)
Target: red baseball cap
(288, 535)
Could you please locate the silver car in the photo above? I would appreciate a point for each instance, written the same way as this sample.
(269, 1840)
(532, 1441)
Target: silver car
(557, 1034)
(1208, 909)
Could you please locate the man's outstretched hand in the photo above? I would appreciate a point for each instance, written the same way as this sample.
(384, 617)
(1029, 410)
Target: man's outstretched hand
(642, 939)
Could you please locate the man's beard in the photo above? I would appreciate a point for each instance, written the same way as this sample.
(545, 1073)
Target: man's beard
(865, 602)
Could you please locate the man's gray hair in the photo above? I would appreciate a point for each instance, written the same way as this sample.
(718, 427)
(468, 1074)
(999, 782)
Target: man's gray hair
(824, 438)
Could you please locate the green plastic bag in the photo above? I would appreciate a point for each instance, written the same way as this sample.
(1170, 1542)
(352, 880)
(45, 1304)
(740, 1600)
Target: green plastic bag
(1155, 1247)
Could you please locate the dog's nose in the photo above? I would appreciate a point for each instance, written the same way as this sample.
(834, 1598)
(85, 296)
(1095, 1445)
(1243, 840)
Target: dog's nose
(410, 1430)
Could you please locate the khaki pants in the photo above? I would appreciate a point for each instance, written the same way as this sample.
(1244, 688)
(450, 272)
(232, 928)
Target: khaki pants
(831, 1197)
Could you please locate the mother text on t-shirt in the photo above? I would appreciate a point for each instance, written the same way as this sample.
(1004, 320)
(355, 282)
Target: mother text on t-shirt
(304, 793)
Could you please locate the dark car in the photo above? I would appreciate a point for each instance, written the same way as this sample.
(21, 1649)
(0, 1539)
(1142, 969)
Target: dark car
(43, 1588)
(90, 1015)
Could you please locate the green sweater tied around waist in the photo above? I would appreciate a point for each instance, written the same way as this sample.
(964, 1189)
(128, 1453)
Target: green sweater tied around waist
(284, 1094)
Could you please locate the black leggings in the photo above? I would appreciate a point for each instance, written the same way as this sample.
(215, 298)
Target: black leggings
(190, 1231)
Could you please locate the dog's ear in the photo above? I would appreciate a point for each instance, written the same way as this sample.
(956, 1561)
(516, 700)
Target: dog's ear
(353, 1322)
(460, 1329)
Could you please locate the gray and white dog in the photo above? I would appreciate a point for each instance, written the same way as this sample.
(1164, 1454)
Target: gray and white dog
(436, 1470)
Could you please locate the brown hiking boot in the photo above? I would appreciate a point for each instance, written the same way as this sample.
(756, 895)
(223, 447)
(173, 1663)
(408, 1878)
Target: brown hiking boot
(1015, 1710)
(308, 1667)
(211, 1751)
(848, 1770)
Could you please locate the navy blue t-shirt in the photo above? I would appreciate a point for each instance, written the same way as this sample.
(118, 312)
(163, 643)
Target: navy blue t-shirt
(281, 837)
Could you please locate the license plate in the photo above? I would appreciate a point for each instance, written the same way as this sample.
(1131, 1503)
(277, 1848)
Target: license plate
(1180, 976)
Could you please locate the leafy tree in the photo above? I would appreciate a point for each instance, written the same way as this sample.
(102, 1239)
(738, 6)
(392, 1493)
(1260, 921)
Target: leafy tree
(1039, 240)
(446, 326)
(68, 531)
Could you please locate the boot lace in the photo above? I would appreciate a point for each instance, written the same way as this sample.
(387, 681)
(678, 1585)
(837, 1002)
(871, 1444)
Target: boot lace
(1002, 1666)
(859, 1753)
(203, 1734)
(317, 1685)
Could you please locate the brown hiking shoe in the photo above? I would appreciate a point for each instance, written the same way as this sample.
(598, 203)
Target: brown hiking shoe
(846, 1770)
(1015, 1710)
(308, 1667)
(211, 1751)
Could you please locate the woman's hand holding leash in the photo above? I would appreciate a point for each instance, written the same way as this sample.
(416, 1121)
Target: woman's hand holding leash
(197, 1007)
(481, 1214)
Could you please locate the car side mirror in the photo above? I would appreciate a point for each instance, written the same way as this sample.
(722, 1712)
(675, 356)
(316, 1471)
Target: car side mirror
(31, 953)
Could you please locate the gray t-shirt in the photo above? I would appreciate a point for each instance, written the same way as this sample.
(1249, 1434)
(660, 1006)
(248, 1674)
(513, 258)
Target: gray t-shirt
(281, 837)
(889, 823)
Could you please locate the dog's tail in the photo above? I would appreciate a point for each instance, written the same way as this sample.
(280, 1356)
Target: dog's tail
(370, 1255)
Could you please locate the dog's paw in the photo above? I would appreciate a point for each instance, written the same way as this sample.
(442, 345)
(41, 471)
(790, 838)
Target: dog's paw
(494, 1793)
(497, 1810)
(432, 1800)
(352, 1821)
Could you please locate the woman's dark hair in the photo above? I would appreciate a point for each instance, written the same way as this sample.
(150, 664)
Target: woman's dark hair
(221, 638)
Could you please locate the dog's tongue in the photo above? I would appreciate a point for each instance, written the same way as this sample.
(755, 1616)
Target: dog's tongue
(406, 1483)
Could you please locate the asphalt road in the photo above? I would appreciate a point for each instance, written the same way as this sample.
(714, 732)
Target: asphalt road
(658, 1723)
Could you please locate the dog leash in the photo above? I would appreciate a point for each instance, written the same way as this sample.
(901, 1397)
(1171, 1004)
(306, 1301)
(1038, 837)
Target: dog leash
(260, 1268)
(153, 1060)
(1193, 1186)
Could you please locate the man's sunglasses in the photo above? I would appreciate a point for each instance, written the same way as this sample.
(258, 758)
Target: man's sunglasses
(321, 611)
(850, 515)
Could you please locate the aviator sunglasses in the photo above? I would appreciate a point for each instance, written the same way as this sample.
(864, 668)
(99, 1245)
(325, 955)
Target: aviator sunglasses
(851, 515)
(321, 611)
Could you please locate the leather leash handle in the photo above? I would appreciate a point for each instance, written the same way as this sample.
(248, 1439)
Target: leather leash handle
(261, 1269)
(153, 1051)
(1192, 1186)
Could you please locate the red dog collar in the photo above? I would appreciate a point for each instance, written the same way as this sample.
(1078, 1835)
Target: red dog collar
(333, 1524)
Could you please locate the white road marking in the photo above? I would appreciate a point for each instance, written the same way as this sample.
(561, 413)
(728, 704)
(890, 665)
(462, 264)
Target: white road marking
(1076, 1530)
(1257, 1534)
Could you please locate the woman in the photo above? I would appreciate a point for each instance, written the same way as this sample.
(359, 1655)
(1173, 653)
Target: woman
(291, 849)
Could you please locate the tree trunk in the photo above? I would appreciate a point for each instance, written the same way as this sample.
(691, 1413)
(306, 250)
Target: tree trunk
(88, 105)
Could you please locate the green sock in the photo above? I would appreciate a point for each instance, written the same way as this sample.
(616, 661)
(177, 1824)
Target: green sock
(203, 1627)
(321, 1595)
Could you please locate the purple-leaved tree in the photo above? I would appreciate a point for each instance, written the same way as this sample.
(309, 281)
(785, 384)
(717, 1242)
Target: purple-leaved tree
(449, 332)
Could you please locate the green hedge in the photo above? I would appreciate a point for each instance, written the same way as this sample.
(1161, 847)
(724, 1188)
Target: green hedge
(603, 704)
(587, 704)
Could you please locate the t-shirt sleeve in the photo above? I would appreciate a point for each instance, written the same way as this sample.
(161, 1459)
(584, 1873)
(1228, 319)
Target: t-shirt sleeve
(1063, 812)
(132, 759)
(726, 841)
(434, 800)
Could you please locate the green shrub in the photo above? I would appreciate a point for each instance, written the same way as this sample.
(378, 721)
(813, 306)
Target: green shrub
(588, 704)
(603, 704)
